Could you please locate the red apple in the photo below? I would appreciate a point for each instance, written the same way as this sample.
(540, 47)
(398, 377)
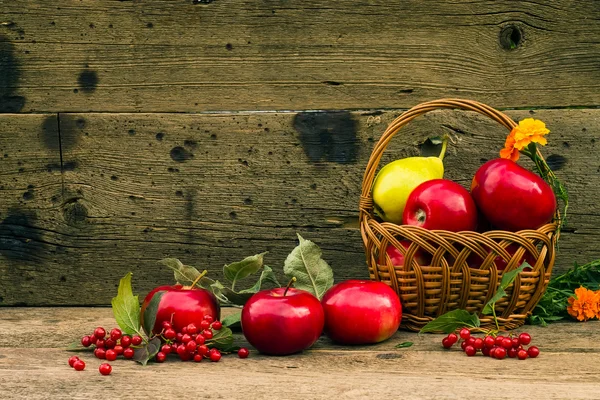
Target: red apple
(186, 305)
(475, 261)
(280, 323)
(361, 312)
(441, 204)
(397, 258)
(511, 197)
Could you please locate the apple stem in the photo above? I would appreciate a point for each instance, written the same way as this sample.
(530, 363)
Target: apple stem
(289, 285)
(444, 146)
(198, 279)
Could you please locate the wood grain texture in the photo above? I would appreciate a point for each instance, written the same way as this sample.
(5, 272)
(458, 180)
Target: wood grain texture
(157, 56)
(33, 365)
(211, 189)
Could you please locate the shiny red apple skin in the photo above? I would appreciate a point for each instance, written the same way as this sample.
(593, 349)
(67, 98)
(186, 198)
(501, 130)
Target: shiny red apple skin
(361, 312)
(280, 325)
(441, 204)
(187, 305)
(511, 197)
(397, 258)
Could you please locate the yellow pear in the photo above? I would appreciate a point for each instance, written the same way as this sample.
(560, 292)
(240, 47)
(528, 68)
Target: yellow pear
(396, 180)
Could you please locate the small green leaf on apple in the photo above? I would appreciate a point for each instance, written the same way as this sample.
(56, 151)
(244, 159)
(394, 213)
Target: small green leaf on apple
(267, 275)
(148, 351)
(451, 321)
(312, 273)
(150, 312)
(126, 307)
(404, 345)
(241, 269)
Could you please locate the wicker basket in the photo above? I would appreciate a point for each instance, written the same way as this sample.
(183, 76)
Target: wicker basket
(427, 291)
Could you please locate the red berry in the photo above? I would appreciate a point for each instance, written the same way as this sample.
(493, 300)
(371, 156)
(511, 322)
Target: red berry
(485, 351)
(515, 342)
(169, 334)
(453, 338)
(215, 355)
(191, 346)
(100, 353)
(446, 343)
(465, 333)
(217, 325)
(184, 330)
(533, 352)
(79, 365)
(93, 338)
(500, 353)
(128, 353)
(100, 343)
(204, 324)
(478, 344)
(200, 339)
(185, 356)
(111, 355)
(115, 334)
(161, 357)
(522, 354)
(192, 329)
(197, 357)
(165, 349)
(463, 345)
(126, 341)
(512, 352)
(524, 338)
(207, 333)
(178, 336)
(492, 352)
(489, 341)
(470, 341)
(243, 352)
(86, 341)
(166, 325)
(100, 333)
(136, 340)
(181, 349)
(202, 350)
(186, 338)
(118, 349)
(470, 350)
(208, 318)
(499, 340)
(72, 360)
(507, 343)
(105, 369)
(110, 344)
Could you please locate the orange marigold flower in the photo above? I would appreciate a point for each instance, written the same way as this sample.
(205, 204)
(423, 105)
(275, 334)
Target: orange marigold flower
(529, 130)
(584, 305)
(510, 151)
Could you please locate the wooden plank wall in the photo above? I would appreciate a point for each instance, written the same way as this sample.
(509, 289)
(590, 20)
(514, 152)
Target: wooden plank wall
(208, 131)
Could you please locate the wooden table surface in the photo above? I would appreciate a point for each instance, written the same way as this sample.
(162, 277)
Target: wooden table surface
(33, 365)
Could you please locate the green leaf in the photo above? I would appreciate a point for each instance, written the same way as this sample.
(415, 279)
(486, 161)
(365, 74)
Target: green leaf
(451, 321)
(241, 269)
(126, 307)
(232, 320)
(312, 273)
(403, 345)
(147, 352)
(236, 298)
(76, 346)
(267, 275)
(222, 339)
(507, 279)
(184, 274)
(150, 312)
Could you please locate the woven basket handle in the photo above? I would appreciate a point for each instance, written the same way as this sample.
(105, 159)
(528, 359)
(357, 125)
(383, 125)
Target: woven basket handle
(366, 199)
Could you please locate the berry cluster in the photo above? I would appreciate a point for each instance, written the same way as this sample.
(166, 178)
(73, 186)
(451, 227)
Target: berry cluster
(493, 346)
(111, 345)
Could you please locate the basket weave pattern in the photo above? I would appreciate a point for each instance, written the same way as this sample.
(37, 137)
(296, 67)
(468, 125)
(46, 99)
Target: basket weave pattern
(448, 283)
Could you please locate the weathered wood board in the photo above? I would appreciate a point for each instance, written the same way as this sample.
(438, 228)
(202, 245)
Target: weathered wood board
(213, 188)
(165, 56)
(33, 365)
